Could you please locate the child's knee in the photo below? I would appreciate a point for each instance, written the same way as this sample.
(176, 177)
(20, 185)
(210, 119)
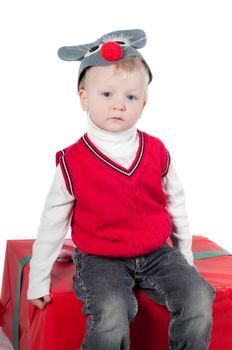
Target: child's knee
(205, 297)
(115, 312)
(199, 300)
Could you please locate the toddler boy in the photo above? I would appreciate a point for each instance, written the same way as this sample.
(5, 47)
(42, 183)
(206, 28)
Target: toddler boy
(118, 189)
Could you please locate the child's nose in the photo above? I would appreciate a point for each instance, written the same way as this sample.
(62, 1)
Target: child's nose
(119, 104)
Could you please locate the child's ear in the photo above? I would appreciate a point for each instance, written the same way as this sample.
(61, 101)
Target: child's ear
(145, 97)
(144, 104)
(83, 99)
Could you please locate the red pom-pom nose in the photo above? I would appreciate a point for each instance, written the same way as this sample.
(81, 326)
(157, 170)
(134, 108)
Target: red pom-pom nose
(111, 51)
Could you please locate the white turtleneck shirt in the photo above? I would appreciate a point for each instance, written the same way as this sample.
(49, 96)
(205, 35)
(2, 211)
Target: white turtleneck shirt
(56, 216)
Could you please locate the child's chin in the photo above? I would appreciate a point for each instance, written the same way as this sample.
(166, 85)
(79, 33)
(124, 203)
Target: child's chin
(115, 128)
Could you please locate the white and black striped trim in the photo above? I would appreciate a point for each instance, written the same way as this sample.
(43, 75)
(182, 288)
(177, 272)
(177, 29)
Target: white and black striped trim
(67, 173)
(167, 163)
(124, 172)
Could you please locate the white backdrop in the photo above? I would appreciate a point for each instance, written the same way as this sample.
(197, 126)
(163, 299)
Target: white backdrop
(189, 51)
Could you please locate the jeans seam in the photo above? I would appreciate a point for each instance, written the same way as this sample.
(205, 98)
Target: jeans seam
(75, 256)
(164, 294)
(135, 310)
(88, 307)
(170, 327)
(86, 297)
(157, 288)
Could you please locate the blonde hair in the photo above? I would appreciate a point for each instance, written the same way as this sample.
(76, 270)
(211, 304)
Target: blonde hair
(129, 65)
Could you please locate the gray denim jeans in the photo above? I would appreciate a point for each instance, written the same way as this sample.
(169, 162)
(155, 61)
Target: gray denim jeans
(105, 287)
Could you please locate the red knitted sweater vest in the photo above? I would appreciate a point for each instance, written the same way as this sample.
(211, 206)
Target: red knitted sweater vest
(118, 212)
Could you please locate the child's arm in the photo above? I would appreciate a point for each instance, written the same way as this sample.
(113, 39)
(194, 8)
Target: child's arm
(54, 224)
(181, 236)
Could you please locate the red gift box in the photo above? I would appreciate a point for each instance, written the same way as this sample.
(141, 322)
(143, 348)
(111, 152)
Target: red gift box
(61, 325)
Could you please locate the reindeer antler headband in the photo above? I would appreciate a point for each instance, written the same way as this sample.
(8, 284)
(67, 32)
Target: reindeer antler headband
(110, 48)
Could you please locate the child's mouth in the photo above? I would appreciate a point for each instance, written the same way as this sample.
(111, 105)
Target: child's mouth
(116, 118)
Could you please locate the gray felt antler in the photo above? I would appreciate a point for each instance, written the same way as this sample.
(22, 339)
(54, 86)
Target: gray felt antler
(110, 48)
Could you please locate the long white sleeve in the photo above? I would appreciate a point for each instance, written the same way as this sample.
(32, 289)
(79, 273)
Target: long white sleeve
(54, 224)
(181, 236)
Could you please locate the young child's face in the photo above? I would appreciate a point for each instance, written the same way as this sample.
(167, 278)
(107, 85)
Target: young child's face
(114, 98)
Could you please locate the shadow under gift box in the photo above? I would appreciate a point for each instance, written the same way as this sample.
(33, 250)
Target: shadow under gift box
(61, 324)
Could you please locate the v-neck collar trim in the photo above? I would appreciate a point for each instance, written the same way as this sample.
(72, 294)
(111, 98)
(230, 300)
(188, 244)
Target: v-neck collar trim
(110, 162)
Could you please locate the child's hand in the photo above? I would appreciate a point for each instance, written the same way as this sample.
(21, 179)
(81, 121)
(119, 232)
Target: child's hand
(41, 302)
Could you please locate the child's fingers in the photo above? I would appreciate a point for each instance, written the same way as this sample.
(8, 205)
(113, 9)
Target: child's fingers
(41, 302)
(47, 298)
(38, 303)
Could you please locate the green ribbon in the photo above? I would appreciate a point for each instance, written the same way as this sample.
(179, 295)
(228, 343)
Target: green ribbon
(26, 259)
(15, 324)
(210, 254)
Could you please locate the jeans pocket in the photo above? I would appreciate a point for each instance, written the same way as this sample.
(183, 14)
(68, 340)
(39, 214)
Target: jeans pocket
(171, 255)
(177, 257)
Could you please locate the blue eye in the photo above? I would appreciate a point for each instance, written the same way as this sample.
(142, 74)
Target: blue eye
(131, 97)
(106, 94)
